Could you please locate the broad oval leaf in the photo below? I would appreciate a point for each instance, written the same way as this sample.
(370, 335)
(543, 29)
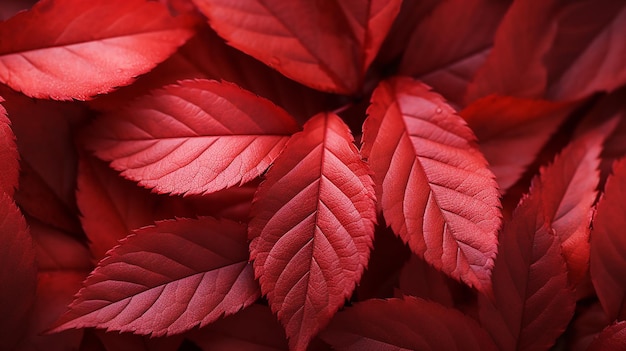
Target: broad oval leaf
(166, 279)
(327, 45)
(433, 184)
(532, 301)
(17, 272)
(197, 137)
(404, 324)
(8, 155)
(608, 245)
(612, 338)
(75, 49)
(313, 226)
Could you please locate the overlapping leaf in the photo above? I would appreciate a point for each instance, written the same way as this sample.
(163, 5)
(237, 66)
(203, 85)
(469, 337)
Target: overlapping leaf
(46, 51)
(447, 47)
(167, 279)
(17, 272)
(313, 225)
(532, 300)
(611, 338)
(608, 245)
(433, 184)
(569, 50)
(327, 45)
(8, 155)
(199, 136)
(405, 324)
(507, 126)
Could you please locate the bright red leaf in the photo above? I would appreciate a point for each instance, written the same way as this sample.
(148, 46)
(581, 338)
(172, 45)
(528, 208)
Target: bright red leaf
(17, 272)
(8, 155)
(197, 137)
(285, 36)
(433, 184)
(313, 226)
(532, 300)
(508, 126)
(608, 259)
(74, 49)
(612, 338)
(166, 279)
(403, 325)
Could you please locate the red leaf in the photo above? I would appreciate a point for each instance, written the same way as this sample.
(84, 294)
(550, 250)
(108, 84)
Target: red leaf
(167, 279)
(507, 126)
(532, 302)
(589, 321)
(405, 324)
(112, 206)
(75, 49)
(252, 329)
(8, 155)
(567, 189)
(17, 272)
(313, 224)
(608, 244)
(569, 50)
(448, 46)
(433, 184)
(280, 34)
(216, 135)
(611, 338)
(419, 279)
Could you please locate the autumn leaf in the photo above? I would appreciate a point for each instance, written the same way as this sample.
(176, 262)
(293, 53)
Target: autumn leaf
(218, 136)
(611, 338)
(312, 227)
(607, 244)
(166, 279)
(279, 34)
(47, 53)
(405, 324)
(8, 155)
(532, 300)
(432, 183)
(18, 272)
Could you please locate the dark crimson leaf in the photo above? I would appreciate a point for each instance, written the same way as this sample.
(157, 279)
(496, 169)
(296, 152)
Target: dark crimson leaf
(433, 184)
(17, 273)
(8, 155)
(403, 325)
(612, 338)
(608, 245)
(313, 225)
(532, 301)
(166, 279)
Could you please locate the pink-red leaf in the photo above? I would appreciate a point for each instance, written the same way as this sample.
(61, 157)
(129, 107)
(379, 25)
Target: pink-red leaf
(313, 225)
(167, 279)
(608, 244)
(17, 272)
(432, 182)
(9, 174)
(327, 45)
(75, 49)
(507, 126)
(612, 338)
(404, 324)
(197, 137)
(532, 301)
